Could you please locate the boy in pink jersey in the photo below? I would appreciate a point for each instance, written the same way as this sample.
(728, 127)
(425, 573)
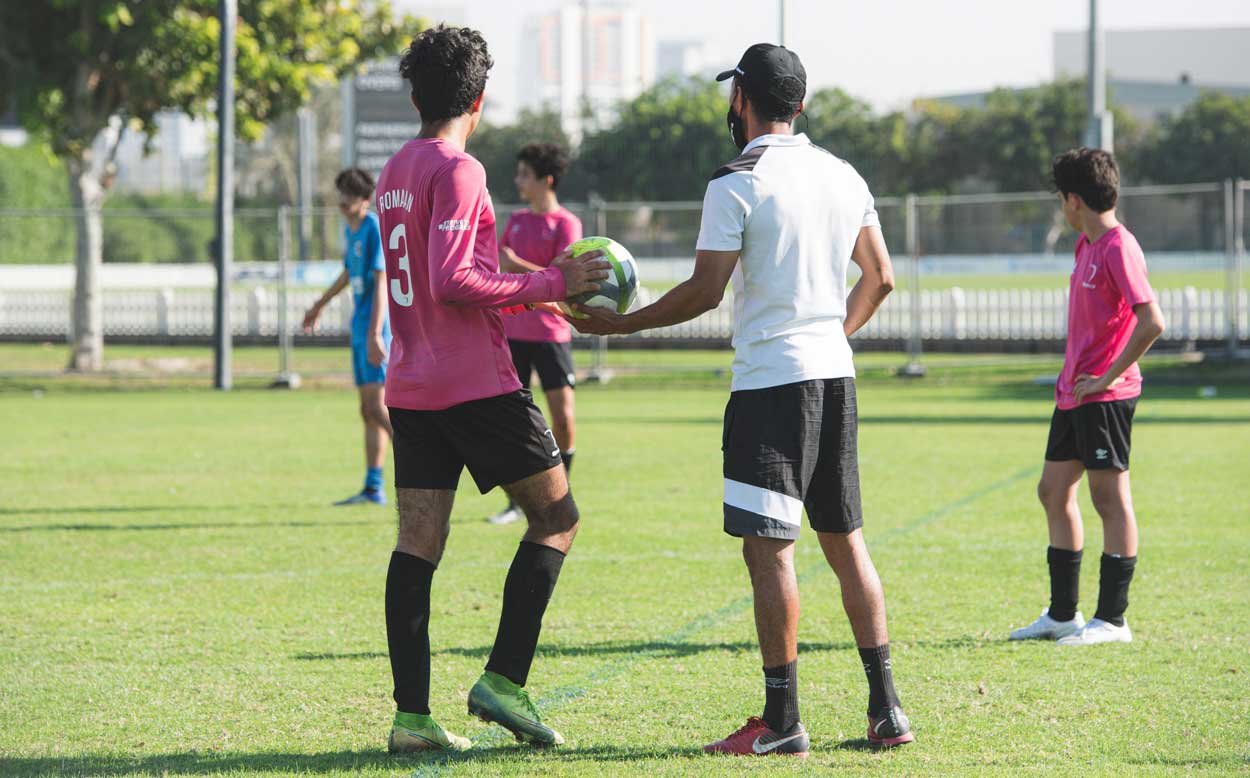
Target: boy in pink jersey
(541, 341)
(1113, 318)
(453, 395)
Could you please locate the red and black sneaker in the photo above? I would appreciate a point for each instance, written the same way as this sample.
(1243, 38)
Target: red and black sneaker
(756, 739)
(889, 728)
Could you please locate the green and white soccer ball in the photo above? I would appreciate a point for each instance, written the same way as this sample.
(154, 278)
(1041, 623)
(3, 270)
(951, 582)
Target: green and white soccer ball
(619, 290)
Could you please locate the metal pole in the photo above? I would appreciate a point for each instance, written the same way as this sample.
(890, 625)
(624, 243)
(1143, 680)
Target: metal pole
(1099, 133)
(783, 22)
(307, 137)
(227, 12)
(913, 368)
(1239, 257)
(599, 372)
(286, 379)
(1232, 278)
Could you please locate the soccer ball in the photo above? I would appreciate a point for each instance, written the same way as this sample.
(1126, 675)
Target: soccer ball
(619, 290)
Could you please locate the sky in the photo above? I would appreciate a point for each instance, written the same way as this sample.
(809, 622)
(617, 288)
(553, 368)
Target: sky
(887, 52)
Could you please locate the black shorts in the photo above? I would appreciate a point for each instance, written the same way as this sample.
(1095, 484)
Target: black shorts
(500, 439)
(553, 361)
(788, 448)
(1098, 434)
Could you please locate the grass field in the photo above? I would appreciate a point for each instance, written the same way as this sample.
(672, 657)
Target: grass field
(177, 598)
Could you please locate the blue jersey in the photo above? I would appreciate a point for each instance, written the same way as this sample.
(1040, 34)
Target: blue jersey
(363, 260)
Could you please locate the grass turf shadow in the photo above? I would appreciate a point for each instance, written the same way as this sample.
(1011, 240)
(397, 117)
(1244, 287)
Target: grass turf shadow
(215, 763)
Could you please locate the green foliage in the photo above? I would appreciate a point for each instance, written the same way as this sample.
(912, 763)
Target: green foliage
(1209, 141)
(496, 147)
(664, 146)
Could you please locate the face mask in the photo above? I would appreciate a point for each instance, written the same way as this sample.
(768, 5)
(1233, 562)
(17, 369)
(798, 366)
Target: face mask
(737, 130)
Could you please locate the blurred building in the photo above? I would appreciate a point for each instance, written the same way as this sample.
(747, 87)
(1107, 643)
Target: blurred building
(683, 59)
(1152, 74)
(582, 61)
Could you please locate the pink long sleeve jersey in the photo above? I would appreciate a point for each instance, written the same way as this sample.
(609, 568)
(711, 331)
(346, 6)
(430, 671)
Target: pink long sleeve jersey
(445, 288)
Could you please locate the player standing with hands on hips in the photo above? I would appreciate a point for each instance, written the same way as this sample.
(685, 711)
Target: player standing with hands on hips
(541, 341)
(783, 220)
(1113, 318)
(454, 397)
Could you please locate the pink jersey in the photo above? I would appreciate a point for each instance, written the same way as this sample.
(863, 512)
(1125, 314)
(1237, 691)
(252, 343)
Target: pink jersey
(442, 266)
(538, 238)
(1108, 280)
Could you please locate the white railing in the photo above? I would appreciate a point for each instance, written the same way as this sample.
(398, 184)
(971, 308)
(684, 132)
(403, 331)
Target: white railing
(953, 314)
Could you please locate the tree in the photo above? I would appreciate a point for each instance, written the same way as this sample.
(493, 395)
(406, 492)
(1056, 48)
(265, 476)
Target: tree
(496, 147)
(81, 69)
(847, 127)
(665, 145)
(1208, 141)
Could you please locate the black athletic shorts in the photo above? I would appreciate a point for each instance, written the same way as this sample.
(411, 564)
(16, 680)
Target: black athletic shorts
(1098, 434)
(553, 361)
(500, 439)
(788, 448)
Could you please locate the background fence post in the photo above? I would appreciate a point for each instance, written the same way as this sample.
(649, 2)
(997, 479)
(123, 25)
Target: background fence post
(164, 301)
(286, 379)
(599, 372)
(1232, 278)
(1239, 257)
(913, 368)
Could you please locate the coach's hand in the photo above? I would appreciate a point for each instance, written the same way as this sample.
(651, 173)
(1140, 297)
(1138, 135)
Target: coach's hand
(1087, 385)
(600, 321)
(583, 272)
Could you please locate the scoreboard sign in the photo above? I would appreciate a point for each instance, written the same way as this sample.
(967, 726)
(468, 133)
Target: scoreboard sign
(384, 119)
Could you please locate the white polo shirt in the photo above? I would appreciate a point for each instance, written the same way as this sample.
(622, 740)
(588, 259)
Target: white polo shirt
(794, 211)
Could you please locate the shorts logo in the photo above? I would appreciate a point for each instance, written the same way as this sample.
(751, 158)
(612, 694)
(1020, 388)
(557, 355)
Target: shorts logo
(454, 225)
(1101, 454)
(550, 434)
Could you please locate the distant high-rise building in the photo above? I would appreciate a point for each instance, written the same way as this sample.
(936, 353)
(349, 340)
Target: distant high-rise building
(583, 62)
(682, 59)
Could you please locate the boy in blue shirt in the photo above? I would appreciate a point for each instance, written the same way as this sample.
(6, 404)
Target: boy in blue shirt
(365, 269)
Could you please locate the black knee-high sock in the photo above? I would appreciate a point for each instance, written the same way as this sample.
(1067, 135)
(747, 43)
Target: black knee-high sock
(1114, 576)
(1065, 582)
(781, 696)
(526, 592)
(408, 630)
(880, 677)
(567, 458)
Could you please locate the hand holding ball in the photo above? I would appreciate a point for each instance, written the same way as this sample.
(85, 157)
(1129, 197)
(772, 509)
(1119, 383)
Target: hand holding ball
(619, 290)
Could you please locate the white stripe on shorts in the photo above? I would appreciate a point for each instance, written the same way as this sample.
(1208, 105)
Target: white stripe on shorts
(765, 502)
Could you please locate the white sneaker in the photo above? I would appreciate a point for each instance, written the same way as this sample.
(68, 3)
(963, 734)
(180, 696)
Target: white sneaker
(1046, 628)
(506, 516)
(1099, 631)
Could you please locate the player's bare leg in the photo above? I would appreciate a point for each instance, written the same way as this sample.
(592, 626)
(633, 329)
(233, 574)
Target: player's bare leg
(1113, 499)
(560, 410)
(377, 425)
(424, 523)
(499, 695)
(864, 602)
(1057, 491)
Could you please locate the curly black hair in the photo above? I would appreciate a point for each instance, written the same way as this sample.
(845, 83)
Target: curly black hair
(545, 159)
(447, 68)
(354, 182)
(1090, 173)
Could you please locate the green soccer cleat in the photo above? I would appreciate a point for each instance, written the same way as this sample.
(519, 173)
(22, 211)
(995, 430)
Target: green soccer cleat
(414, 733)
(495, 698)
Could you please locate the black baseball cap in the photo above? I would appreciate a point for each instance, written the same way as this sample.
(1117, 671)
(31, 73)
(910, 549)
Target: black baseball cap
(766, 69)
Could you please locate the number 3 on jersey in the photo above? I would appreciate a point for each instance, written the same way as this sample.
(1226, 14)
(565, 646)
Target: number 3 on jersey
(397, 289)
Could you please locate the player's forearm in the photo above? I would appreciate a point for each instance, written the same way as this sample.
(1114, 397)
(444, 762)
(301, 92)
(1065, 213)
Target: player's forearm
(1147, 331)
(683, 302)
(339, 285)
(378, 316)
(511, 262)
(477, 289)
(865, 298)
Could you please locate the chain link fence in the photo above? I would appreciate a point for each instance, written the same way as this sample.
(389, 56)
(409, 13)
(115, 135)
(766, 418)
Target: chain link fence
(974, 272)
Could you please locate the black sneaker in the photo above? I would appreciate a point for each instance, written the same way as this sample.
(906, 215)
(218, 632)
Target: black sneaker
(889, 728)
